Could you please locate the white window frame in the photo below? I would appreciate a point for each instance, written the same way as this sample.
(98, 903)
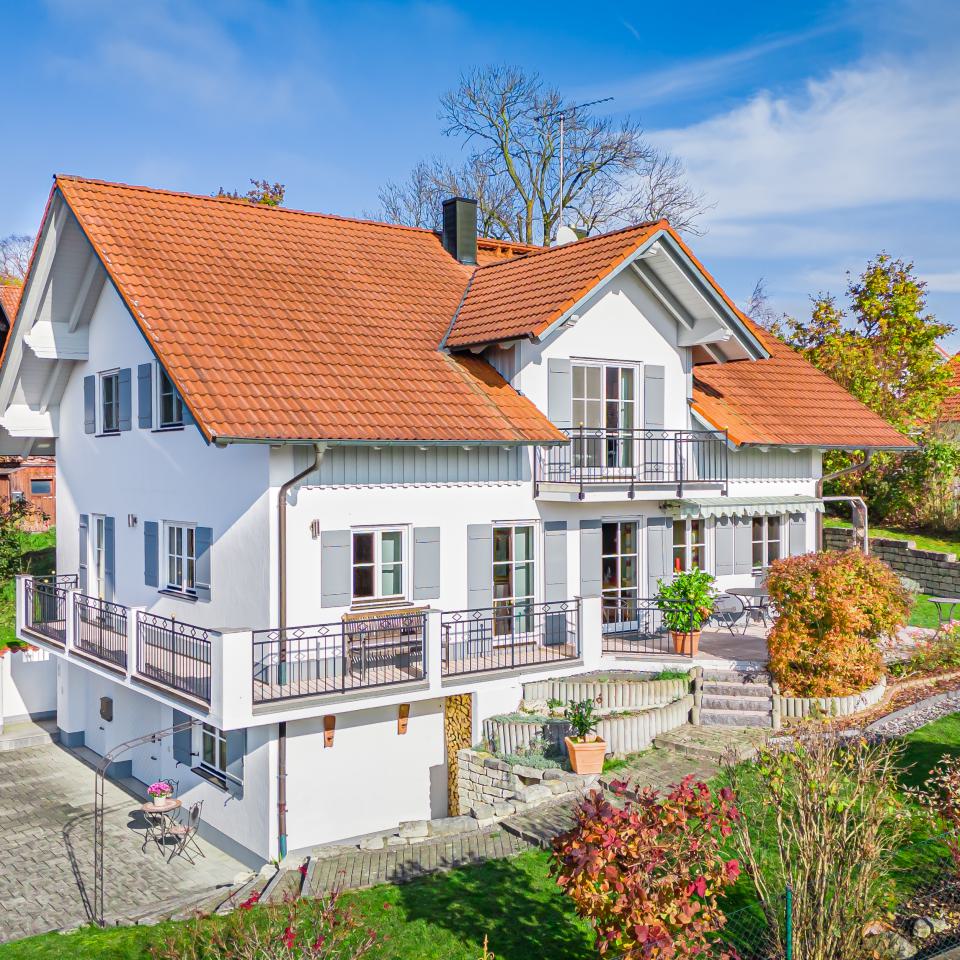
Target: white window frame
(519, 624)
(159, 376)
(765, 541)
(377, 564)
(597, 450)
(98, 553)
(619, 614)
(689, 544)
(218, 739)
(101, 398)
(188, 532)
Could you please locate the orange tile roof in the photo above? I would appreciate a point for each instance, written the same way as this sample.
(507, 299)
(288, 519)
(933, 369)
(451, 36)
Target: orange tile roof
(786, 400)
(950, 408)
(10, 299)
(496, 251)
(279, 324)
(523, 296)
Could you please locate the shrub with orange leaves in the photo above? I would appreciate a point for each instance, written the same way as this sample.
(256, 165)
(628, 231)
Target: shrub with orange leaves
(647, 875)
(833, 609)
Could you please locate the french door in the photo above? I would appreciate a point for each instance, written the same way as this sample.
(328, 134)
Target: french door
(605, 403)
(100, 556)
(513, 580)
(620, 575)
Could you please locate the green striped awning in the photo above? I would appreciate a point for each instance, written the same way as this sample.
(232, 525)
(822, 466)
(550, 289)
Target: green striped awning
(735, 506)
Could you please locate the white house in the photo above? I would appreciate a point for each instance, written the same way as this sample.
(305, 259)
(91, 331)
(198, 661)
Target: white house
(318, 476)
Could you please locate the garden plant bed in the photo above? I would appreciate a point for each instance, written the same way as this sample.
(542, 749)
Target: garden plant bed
(900, 694)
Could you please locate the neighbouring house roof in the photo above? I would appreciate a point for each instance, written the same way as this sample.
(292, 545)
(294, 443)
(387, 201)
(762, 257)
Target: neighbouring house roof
(279, 324)
(9, 300)
(950, 408)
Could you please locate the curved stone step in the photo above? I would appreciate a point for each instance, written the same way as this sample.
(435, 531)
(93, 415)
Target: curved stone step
(736, 718)
(721, 689)
(758, 704)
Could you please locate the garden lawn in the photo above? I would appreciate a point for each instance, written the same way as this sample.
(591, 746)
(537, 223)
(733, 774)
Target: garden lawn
(38, 553)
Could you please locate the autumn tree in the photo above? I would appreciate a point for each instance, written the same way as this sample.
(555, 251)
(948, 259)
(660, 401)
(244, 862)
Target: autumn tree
(759, 308)
(508, 122)
(261, 192)
(14, 257)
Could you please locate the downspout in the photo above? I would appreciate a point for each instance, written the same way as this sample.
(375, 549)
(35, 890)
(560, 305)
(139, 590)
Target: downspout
(319, 450)
(853, 468)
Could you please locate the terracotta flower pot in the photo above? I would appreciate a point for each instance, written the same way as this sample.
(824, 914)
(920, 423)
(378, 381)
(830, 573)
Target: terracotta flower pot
(586, 756)
(685, 643)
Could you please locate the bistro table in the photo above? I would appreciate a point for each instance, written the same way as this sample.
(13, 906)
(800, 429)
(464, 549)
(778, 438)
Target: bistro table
(158, 814)
(756, 603)
(945, 607)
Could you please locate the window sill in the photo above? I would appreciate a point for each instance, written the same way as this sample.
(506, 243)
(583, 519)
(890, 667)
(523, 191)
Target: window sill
(385, 603)
(179, 594)
(109, 433)
(172, 428)
(214, 779)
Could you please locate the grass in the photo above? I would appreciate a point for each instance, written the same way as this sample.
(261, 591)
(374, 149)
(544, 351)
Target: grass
(924, 613)
(944, 542)
(38, 551)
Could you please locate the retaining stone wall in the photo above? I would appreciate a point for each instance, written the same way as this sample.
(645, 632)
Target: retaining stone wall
(937, 573)
(610, 694)
(829, 706)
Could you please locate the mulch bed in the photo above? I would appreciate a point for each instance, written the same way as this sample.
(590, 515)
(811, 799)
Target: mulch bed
(900, 694)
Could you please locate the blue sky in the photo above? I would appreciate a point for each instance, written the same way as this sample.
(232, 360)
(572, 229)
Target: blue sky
(821, 132)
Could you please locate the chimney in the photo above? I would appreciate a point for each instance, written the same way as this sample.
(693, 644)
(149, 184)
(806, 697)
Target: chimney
(460, 229)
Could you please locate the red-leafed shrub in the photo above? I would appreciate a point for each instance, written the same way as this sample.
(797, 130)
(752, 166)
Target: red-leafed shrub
(833, 609)
(647, 875)
(944, 799)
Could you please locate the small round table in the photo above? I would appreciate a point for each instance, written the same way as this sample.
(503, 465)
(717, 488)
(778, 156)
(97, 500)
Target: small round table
(158, 813)
(756, 603)
(945, 607)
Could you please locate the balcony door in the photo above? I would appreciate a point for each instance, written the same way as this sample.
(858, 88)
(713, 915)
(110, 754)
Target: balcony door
(605, 403)
(513, 581)
(99, 558)
(620, 557)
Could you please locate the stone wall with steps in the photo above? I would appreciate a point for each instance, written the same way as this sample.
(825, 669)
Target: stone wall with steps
(733, 699)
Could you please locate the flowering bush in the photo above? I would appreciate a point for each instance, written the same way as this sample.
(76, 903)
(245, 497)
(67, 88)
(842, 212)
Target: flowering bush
(834, 610)
(647, 875)
(944, 801)
(296, 929)
(159, 789)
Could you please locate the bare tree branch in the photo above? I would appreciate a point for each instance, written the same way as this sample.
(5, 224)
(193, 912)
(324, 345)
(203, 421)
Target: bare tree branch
(14, 257)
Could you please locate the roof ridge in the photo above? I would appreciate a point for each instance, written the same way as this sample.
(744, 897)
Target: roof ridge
(643, 225)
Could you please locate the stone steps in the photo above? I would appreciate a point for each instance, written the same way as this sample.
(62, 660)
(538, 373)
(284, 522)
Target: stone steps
(28, 733)
(735, 704)
(711, 743)
(736, 676)
(720, 688)
(736, 718)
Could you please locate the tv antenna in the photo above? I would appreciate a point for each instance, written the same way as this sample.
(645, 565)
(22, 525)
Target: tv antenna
(562, 115)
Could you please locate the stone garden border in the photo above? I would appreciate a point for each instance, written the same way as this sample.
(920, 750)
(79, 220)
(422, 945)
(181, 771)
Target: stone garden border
(798, 707)
(618, 692)
(624, 734)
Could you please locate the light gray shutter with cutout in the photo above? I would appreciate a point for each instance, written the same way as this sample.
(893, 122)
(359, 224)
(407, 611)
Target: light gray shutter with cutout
(723, 546)
(109, 558)
(555, 560)
(742, 545)
(659, 552)
(182, 740)
(126, 399)
(151, 553)
(82, 551)
(335, 568)
(479, 566)
(653, 397)
(798, 534)
(426, 563)
(591, 554)
(90, 404)
(203, 543)
(236, 751)
(145, 396)
(559, 392)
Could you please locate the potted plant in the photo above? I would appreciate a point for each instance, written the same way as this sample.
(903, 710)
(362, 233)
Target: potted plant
(585, 749)
(686, 602)
(159, 791)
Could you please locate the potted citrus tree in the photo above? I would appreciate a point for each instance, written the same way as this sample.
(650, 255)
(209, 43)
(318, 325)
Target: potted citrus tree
(585, 749)
(686, 602)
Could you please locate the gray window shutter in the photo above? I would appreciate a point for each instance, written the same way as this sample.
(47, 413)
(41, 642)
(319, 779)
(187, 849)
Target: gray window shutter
(559, 392)
(126, 401)
(151, 553)
(109, 558)
(479, 566)
(798, 534)
(591, 562)
(723, 546)
(145, 396)
(236, 750)
(335, 568)
(742, 545)
(426, 563)
(659, 551)
(82, 561)
(555, 560)
(182, 740)
(203, 542)
(90, 404)
(653, 397)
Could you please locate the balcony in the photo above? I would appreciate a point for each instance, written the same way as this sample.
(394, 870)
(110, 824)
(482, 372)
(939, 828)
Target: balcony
(599, 458)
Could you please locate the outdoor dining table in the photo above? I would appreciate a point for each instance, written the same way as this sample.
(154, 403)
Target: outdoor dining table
(756, 603)
(158, 814)
(945, 607)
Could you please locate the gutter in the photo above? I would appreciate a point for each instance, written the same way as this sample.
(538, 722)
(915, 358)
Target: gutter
(853, 468)
(318, 451)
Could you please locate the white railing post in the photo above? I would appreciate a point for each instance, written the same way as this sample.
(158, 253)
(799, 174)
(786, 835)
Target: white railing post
(133, 619)
(70, 619)
(433, 660)
(20, 611)
(591, 632)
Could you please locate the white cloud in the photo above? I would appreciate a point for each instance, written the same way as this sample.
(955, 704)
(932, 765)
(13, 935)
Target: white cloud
(948, 282)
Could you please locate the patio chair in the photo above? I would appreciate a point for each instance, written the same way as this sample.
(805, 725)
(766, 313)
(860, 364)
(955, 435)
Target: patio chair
(727, 611)
(185, 835)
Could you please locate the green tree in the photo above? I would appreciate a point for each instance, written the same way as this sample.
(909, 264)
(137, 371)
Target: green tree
(261, 192)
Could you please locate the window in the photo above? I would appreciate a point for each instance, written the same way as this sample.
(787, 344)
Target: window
(110, 402)
(378, 572)
(620, 570)
(100, 555)
(689, 545)
(213, 751)
(513, 578)
(169, 404)
(181, 557)
(605, 402)
(41, 488)
(767, 541)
